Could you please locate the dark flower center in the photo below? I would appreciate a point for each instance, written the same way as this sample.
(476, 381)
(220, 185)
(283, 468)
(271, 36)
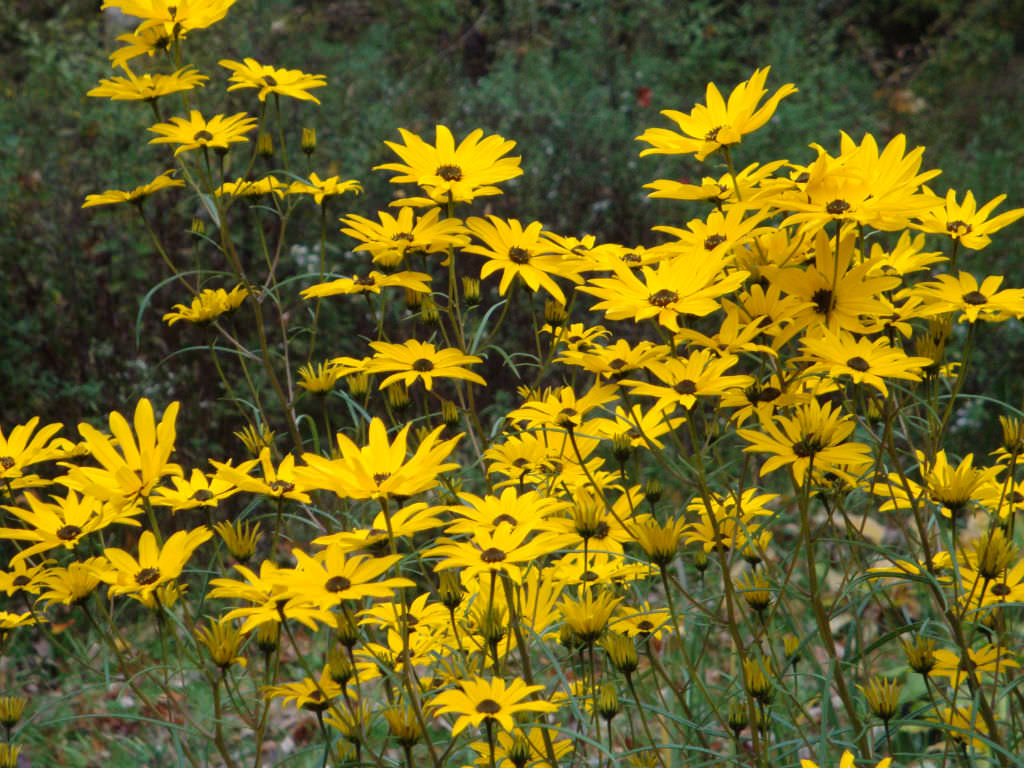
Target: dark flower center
(202, 495)
(768, 394)
(601, 531)
(488, 707)
(202, 135)
(422, 365)
(631, 258)
(520, 462)
(337, 584)
(837, 207)
(368, 280)
(713, 242)
(504, 518)
(69, 532)
(858, 364)
(518, 255)
(147, 576)
(281, 486)
(808, 446)
(1000, 590)
(589, 575)
(824, 301)
(803, 178)
(663, 298)
(685, 387)
(269, 80)
(6, 462)
(975, 298)
(449, 172)
(380, 477)
(492, 555)
(402, 236)
(616, 364)
(957, 228)
(712, 135)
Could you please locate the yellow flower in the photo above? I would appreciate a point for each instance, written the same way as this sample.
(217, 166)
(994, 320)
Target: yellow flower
(754, 182)
(130, 473)
(21, 449)
(965, 222)
(309, 694)
(371, 283)
(561, 407)
(415, 360)
(504, 549)
(72, 585)
(240, 537)
(176, 17)
(147, 87)
(989, 659)
(223, 641)
(519, 252)
(588, 616)
(863, 360)
(329, 577)
(241, 187)
(286, 82)
(391, 241)
(672, 288)
(846, 761)
(452, 174)
(62, 523)
(198, 490)
(115, 196)
(208, 306)
(972, 300)
(147, 41)
(219, 132)
(280, 482)
(479, 699)
(683, 380)
(380, 469)
(321, 188)
(718, 123)
(155, 565)
(319, 378)
(815, 434)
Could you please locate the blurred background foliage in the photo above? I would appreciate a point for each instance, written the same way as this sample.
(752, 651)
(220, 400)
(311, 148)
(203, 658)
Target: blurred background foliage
(572, 81)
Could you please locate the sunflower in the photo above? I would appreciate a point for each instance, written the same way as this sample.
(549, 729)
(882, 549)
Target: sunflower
(672, 288)
(115, 196)
(208, 306)
(588, 616)
(616, 360)
(479, 699)
(321, 188)
(147, 87)
(394, 238)
(267, 604)
(450, 174)
(308, 694)
(683, 380)
(149, 42)
(330, 576)
(835, 290)
(176, 17)
(63, 522)
(519, 252)
(286, 82)
(863, 360)
(199, 490)
(73, 584)
(504, 549)
(972, 300)
(140, 460)
(280, 482)
(753, 182)
(380, 469)
(402, 523)
(250, 188)
(965, 222)
(371, 283)
(815, 434)
(529, 510)
(416, 361)
(21, 449)
(989, 659)
(846, 761)
(155, 566)
(717, 124)
(218, 133)
(561, 407)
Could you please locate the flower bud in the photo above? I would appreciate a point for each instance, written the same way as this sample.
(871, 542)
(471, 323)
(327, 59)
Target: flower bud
(309, 141)
(265, 145)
